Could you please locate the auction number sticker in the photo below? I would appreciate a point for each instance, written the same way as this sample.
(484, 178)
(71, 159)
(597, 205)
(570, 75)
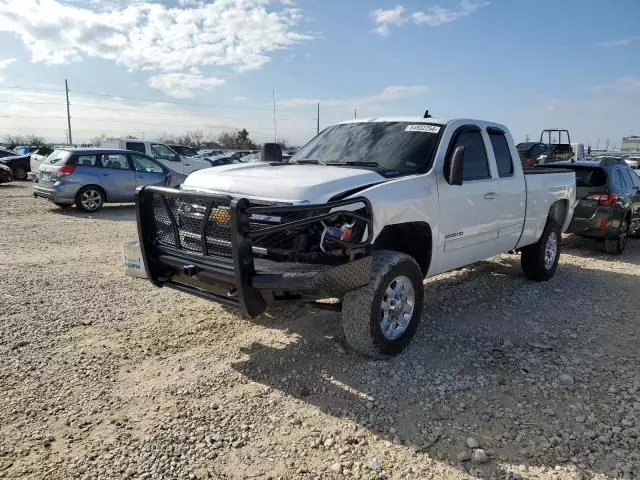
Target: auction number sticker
(422, 128)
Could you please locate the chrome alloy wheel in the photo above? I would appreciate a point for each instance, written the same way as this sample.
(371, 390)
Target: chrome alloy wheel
(551, 251)
(396, 309)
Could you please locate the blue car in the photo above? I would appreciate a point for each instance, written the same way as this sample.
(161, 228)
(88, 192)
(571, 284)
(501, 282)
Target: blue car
(89, 178)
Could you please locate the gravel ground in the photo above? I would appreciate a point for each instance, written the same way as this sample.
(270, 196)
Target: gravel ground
(103, 376)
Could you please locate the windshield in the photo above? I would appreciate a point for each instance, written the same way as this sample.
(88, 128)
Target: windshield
(58, 157)
(390, 148)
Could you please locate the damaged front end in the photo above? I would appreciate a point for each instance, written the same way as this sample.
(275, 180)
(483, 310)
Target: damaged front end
(248, 253)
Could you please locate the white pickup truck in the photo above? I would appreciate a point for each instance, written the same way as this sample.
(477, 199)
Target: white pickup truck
(161, 152)
(363, 213)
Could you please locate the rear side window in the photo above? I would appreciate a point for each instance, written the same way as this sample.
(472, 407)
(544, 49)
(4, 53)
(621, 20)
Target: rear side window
(136, 147)
(635, 179)
(117, 161)
(85, 160)
(476, 165)
(502, 153)
(626, 177)
(590, 177)
(58, 157)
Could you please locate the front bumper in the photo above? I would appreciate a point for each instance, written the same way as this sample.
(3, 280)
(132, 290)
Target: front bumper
(227, 269)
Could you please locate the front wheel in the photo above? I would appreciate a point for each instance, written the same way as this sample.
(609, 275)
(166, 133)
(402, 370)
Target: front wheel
(616, 245)
(381, 318)
(540, 260)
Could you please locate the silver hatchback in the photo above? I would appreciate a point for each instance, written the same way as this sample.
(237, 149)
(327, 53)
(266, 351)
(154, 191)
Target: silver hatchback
(89, 178)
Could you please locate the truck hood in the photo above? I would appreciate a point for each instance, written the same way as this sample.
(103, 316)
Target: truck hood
(280, 182)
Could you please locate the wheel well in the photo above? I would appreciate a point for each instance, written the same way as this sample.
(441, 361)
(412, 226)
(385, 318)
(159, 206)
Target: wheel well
(413, 238)
(97, 187)
(558, 211)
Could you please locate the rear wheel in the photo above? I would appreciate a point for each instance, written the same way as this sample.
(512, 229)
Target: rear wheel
(540, 260)
(616, 245)
(381, 318)
(90, 199)
(20, 173)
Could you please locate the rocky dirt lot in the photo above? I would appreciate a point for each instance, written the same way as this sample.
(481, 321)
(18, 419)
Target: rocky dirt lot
(103, 376)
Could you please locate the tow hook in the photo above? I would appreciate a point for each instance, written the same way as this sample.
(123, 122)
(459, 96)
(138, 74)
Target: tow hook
(191, 270)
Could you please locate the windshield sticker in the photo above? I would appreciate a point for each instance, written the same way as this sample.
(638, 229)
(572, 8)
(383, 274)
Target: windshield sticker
(422, 128)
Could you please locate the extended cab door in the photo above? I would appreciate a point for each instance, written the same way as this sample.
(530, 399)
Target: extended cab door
(511, 195)
(167, 157)
(468, 213)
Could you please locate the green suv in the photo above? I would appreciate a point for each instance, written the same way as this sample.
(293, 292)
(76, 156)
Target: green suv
(608, 195)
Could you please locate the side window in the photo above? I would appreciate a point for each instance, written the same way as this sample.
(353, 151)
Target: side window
(135, 146)
(115, 160)
(631, 177)
(85, 160)
(163, 152)
(476, 165)
(624, 181)
(145, 164)
(502, 153)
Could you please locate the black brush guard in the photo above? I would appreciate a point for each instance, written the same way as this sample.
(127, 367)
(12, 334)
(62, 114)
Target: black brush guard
(202, 244)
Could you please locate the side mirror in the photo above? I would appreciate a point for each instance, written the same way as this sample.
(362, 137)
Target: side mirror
(271, 153)
(454, 173)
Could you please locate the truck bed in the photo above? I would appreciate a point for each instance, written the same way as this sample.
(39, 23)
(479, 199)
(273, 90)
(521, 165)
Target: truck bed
(544, 170)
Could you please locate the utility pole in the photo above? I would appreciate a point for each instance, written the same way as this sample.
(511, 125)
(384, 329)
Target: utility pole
(275, 126)
(318, 120)
(66, 87)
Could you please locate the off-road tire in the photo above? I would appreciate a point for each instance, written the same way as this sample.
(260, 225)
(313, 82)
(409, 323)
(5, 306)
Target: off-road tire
(616, 245)
(361, 307)
(532, 257)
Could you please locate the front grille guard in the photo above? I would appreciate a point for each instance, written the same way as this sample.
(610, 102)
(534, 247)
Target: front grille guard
(236, 261)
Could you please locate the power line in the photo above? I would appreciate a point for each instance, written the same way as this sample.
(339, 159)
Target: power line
(170, 102)
(15, 87)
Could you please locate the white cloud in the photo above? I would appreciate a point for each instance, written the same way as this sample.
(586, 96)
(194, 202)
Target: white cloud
(438, 15)
(432, 16)
(389, 94)
(627, 83)
(182, 85)
(150, 36)
(384, 18)
(619, 43)
(4, 64)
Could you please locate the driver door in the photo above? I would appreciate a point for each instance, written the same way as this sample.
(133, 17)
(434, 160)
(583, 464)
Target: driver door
(469, 213)
(147, 171)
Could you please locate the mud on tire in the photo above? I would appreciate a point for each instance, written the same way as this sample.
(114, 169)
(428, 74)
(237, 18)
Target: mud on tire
(362, 311)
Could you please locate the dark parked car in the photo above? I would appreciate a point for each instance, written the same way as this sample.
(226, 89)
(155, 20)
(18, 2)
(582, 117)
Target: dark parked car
(536, 153)
(19, 165)
(5, 174)
(608, 194)
(5, 152)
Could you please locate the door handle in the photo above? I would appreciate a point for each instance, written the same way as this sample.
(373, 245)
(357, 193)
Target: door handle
(105, 174)
(187, 164)
(140, 176)
(490, 195)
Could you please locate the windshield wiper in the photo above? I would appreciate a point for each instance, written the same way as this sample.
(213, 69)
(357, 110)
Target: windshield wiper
(309, 161)
(356, 163)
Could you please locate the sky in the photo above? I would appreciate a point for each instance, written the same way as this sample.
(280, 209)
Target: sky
(145, 68)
